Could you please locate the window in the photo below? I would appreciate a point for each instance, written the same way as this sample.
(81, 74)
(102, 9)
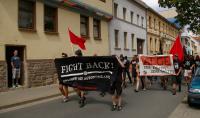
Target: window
(115, 9)
(116, 38)
(138, 17)
(159, 26)
(97, 28)
(132, 16)
(151, 44)
(84, 26)
(132, 39)
(125, 40)
(150, 25)
(26, 16)
(50, 19)
(124, 13)
(142, 22)
(154, 24)
(155, 45)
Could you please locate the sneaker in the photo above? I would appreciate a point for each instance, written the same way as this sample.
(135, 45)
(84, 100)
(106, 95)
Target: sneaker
(173, 92)
(119, 108)
(114, 107)
(13, 86)
(144, 89)
(82, 102)
(65, 99)
(136, 91)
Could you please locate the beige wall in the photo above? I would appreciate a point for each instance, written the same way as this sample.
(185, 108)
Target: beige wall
(40, 45)
(104, 6)
(162, 33)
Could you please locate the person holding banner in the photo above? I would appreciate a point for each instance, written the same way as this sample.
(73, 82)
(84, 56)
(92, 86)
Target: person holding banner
(64, 88)
(116, 87)
(81, 94)
(177, 78)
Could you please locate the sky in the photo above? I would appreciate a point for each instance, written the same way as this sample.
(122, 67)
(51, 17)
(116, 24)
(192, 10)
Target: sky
(154, 4)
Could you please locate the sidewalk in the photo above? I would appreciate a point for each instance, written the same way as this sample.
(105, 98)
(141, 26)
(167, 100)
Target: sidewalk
(26, 95)
(185, 111)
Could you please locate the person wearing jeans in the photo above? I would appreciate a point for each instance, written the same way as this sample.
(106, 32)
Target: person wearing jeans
(16, 64)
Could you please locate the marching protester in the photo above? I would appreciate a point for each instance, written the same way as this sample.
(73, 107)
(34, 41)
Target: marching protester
(123, 71)
(177, 78)
(126, 69)
(188, 66)
(64, 88)
(133, 69)
(116, 88)
(137, 74)
(81, 94)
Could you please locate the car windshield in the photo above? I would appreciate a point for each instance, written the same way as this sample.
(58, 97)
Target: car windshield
(197, 73)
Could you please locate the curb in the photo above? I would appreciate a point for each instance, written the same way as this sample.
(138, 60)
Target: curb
(28, 101)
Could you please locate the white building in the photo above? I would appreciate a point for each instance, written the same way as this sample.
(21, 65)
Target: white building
(128, 32)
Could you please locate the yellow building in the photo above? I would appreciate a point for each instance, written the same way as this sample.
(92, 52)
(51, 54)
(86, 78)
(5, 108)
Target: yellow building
(160, 33)
(38, 30)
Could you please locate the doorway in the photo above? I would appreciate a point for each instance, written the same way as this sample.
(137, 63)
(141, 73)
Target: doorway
(9, 53)
(140, 45)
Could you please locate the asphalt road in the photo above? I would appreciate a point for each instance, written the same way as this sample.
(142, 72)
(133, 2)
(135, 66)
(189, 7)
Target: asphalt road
(153, 103)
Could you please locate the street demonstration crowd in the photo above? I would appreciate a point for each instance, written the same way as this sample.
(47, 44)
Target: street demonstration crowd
(183, 69)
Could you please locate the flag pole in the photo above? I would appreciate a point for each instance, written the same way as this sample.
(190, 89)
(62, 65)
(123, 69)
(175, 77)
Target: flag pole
(72, 49)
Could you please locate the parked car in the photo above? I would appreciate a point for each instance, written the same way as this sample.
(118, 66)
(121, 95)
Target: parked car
(194, 89)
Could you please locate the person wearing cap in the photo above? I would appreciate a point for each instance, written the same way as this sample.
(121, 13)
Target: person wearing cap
(177, 78)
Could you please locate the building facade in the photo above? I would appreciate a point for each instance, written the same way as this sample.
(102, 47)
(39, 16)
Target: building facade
(160, 33)
(127, 31)
(38, 30)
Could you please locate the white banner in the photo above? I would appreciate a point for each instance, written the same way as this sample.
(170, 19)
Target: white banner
(156, 65)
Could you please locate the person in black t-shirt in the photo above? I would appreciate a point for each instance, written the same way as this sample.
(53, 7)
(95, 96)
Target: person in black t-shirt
(116, 87)
(177, 77)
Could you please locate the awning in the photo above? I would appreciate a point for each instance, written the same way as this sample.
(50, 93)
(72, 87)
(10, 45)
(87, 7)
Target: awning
(85, 9)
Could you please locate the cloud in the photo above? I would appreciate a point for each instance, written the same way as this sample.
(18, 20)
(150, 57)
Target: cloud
(154, 4)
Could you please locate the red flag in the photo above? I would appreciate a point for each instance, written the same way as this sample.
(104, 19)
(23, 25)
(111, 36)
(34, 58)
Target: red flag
(77, 40)
(177, 49)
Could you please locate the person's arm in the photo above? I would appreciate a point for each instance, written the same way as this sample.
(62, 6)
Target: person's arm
(122, 65)
(12, 64)
(179, 71)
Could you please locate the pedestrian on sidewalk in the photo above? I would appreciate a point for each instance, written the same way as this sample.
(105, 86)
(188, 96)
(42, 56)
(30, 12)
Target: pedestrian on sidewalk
(197, 62)
(16, 66)
(177, 78)
(62, 87)
(116, 87)
(188, 65)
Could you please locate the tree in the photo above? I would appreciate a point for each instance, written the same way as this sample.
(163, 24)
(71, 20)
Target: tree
(188, 12)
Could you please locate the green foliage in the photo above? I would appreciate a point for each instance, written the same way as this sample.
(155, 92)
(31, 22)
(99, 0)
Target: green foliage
(188, 12)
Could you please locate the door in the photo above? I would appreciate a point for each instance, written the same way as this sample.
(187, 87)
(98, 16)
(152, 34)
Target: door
(140, 45)
(9, 53)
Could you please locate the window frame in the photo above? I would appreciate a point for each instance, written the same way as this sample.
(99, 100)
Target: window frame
(132, 16)
(133, 41)
(116, 38)
(55, 30)
(33, 29)
(115, 9)
(87, 26)
(124, 13)
(125, 41)
(99, 28)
